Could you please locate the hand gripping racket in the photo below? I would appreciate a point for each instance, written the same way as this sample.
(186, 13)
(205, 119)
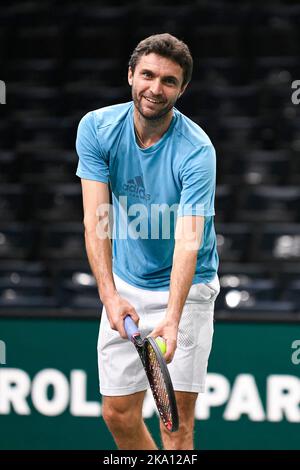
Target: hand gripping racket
(158, 375)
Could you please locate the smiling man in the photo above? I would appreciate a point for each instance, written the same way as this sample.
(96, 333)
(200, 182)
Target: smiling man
(152, 156)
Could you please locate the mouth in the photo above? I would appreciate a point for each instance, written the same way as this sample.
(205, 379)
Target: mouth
(150, 100)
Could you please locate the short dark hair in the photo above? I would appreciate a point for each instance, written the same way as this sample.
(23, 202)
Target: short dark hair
(167, 46)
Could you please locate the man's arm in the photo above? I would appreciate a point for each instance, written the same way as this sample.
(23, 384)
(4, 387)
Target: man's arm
(96, 195)
(98, 247)
(188, 236)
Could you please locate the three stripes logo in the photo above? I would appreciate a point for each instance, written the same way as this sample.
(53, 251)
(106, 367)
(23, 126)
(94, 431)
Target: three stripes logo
(135, 187)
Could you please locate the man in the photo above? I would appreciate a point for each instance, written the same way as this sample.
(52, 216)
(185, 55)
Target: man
(152, 156)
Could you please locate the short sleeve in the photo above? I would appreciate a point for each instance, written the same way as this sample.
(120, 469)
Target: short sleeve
(198, 178)
(92, 162)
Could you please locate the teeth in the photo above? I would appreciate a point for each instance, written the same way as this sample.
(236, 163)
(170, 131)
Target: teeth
(151, 101)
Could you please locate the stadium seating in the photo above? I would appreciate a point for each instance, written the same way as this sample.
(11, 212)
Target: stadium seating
(77, 287)
(62, 62)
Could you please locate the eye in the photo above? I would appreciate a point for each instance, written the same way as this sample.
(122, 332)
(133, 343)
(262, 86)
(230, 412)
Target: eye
(170, 81)
(147, 74)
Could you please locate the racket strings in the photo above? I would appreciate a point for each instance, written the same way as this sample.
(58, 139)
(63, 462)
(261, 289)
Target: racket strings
(158, 387)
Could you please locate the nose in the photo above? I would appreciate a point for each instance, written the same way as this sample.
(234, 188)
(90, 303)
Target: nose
(156, 88)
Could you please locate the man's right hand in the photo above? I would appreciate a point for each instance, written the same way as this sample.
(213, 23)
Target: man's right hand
(117, 309)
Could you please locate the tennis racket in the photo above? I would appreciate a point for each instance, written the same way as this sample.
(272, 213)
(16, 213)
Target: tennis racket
(157, 373)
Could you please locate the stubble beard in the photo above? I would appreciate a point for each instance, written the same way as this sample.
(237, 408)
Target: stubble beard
(154, 117)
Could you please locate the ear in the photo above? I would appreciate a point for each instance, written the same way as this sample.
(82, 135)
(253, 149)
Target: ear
(182, 90)
(130, 76)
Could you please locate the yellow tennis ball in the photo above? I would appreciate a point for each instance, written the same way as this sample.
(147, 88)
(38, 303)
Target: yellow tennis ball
(161, 344)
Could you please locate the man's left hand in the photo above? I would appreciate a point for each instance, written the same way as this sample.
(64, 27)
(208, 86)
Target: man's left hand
(168, 331)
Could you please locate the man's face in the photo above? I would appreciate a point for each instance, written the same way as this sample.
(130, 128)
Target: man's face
(156, 85)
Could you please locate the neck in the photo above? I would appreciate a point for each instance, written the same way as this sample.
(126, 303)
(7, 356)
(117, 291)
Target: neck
(149, 132)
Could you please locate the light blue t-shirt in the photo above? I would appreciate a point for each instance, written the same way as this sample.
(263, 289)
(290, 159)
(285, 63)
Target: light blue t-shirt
(150, 187)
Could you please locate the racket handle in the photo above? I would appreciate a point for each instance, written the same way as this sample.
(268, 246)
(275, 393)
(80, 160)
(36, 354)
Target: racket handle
(130, 327)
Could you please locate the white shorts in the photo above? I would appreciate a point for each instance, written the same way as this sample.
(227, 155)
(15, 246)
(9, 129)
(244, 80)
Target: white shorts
(120, 368)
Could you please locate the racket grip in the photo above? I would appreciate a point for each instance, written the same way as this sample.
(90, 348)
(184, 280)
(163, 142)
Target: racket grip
(130, 327)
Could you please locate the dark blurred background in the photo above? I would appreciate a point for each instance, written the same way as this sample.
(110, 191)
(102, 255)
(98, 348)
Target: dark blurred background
(60, 60)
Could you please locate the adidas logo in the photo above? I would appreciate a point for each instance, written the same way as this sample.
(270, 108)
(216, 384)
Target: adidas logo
(135, 187)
